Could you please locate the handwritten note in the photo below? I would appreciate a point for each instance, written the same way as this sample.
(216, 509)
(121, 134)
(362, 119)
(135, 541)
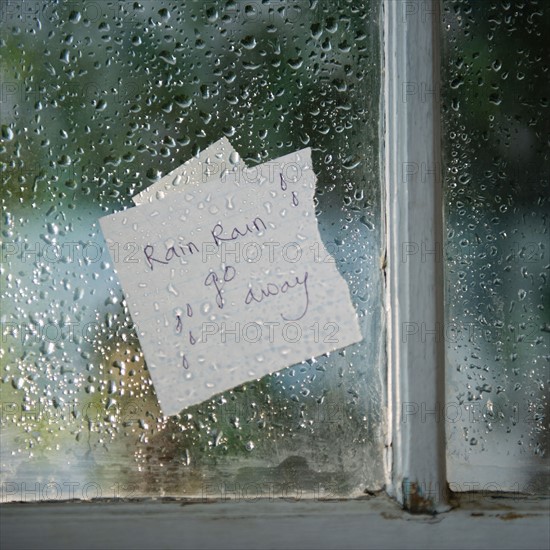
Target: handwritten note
(231, 280)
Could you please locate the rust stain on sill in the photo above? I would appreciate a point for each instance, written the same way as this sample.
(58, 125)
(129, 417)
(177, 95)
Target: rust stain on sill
(415, 501)
(512, 515)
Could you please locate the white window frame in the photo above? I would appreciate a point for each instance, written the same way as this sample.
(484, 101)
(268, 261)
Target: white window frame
(412, 163)
(411, 149)
(410, 137)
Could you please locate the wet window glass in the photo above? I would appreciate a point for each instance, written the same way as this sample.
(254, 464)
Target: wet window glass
(496, 174)
(99, 100)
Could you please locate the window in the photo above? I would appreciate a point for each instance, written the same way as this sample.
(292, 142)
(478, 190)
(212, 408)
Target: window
(105, 99)
(101, 99)
(496, 249)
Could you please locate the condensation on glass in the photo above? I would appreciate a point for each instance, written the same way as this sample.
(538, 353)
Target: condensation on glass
(98, 102)
(496, 180)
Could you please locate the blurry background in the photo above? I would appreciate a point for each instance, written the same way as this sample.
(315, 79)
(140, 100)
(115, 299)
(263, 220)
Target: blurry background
(99, 100)
(496, 138)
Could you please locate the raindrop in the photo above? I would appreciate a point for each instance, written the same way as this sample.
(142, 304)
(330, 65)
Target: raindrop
(75, 16)
(248, 42)
(164, 14)
(7, 132)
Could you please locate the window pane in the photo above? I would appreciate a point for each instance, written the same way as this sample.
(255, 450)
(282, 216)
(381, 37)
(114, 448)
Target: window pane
(496, 128)
(101, 100)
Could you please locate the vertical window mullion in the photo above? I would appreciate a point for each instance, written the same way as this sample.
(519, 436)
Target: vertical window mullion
(414, 288)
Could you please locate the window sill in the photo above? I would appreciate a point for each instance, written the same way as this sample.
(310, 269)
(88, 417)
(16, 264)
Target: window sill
(377, 522)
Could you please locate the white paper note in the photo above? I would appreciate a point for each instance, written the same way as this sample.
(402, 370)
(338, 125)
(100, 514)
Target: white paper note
(231, 281)
(213, 163)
